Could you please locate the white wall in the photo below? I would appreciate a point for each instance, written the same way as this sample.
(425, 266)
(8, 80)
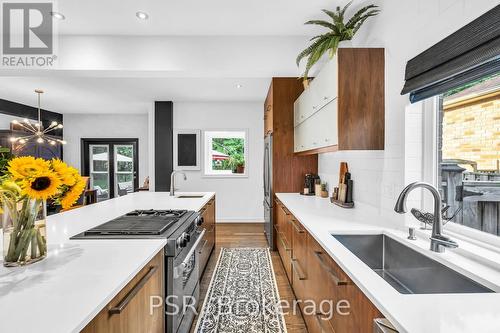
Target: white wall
(404, 28)
(77, 126)
(238, 199)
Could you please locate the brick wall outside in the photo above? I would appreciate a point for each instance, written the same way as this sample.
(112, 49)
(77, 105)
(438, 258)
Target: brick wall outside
(472, 132)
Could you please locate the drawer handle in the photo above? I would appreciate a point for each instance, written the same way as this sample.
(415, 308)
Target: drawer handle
(287, 249)
(203, 246)
(322, 323)
(299, 230)
(131, 294)
(333, 276)
(298, 270)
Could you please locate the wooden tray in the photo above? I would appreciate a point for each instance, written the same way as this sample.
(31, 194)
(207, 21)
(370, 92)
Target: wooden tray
(342, 204)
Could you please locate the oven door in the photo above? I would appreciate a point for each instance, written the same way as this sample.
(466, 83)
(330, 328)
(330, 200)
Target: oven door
(185, 283)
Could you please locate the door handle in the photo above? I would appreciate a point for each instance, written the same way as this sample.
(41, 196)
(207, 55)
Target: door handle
(203, 246)
(323, 324)
(131, 294)
(330, 271)
(298, 270)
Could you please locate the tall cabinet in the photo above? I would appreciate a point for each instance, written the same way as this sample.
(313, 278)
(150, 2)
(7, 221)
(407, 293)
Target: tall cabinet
(288, 169)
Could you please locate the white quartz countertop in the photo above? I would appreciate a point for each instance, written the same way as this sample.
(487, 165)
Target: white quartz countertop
(66, 290)
(436, 313)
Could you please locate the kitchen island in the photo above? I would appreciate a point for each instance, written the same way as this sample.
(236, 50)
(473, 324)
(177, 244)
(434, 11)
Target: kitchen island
(66, 290)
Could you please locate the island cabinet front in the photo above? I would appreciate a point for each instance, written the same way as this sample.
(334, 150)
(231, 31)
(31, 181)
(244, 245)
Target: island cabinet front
(207, 245)
(129, 311)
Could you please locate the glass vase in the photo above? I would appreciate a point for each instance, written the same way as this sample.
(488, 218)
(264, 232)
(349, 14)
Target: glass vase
(24, 231)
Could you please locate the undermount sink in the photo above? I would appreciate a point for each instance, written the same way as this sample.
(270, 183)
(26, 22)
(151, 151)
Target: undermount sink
(406, 270)
(189, 196)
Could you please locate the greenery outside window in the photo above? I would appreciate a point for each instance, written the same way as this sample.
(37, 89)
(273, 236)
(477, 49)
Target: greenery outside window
(226, 153)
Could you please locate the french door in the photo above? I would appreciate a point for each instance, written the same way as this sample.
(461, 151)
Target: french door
(112, 166)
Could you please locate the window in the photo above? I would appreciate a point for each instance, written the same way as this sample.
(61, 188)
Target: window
(469, 154)
(226, 153)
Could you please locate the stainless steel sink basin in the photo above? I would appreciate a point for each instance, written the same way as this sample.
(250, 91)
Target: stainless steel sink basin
(405, 269)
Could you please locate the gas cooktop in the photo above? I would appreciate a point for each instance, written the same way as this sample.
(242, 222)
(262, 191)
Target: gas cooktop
(139, 223)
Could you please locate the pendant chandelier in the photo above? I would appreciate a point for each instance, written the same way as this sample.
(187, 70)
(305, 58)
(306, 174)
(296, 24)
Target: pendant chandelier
(36, 130)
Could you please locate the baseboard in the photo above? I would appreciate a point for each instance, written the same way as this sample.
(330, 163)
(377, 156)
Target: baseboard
(240, 221)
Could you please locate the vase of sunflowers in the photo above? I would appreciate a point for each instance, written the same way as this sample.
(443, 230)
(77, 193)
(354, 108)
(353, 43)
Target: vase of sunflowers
(24, 189)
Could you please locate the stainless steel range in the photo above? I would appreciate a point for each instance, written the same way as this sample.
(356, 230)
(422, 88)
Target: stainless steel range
(182, 230)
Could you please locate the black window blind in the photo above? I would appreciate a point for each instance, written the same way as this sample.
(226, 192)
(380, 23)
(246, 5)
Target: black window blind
(468, 54)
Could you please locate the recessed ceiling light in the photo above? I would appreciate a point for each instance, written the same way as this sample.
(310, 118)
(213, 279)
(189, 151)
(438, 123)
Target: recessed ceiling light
(239, 86)
(57, 15)
(142, 15)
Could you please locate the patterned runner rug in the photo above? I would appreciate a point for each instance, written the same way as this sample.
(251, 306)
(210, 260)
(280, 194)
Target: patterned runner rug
(243, 295)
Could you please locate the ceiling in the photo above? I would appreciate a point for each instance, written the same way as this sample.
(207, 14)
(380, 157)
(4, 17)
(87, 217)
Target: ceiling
(109, 88)
(190, 17)
(127, 95)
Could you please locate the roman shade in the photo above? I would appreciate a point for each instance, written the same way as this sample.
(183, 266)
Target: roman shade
(468, 54)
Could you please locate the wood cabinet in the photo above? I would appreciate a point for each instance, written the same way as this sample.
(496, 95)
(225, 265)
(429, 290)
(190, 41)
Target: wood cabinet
(288, 169)
(208, 243)
(268, 113)
(343, 109)
(316, 277)
(299, 258)
(129, 311)
(283, 244)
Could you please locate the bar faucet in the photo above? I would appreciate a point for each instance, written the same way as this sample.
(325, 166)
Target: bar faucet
(172, 181)
(438, 241)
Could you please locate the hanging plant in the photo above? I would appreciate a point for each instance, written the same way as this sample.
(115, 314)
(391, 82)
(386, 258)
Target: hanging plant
(338, 32)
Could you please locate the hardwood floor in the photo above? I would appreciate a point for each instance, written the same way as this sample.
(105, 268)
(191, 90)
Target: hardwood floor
(251, 235)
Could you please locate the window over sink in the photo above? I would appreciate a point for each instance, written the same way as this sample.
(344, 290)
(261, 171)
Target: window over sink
(226, 153)
(468, 149)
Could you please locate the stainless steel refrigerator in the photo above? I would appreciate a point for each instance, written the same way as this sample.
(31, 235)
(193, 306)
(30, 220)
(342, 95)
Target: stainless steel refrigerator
(268, 189)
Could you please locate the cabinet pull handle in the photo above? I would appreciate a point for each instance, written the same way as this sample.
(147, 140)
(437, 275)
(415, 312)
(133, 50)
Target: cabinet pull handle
(330, 271)
(287, 249)
(203, 246)
(298, 270)
(322, 323)
(131, 294)
(299, 230)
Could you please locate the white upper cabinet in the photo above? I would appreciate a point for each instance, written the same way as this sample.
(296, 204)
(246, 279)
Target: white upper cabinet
(319, 130)
(302, 108)
(324, 88)
(344, 106)
(315, 111)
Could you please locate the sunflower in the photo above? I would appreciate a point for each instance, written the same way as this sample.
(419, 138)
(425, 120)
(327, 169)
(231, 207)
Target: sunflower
(42, 186)
(67, 175)
(25, 167)
(73, 193)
